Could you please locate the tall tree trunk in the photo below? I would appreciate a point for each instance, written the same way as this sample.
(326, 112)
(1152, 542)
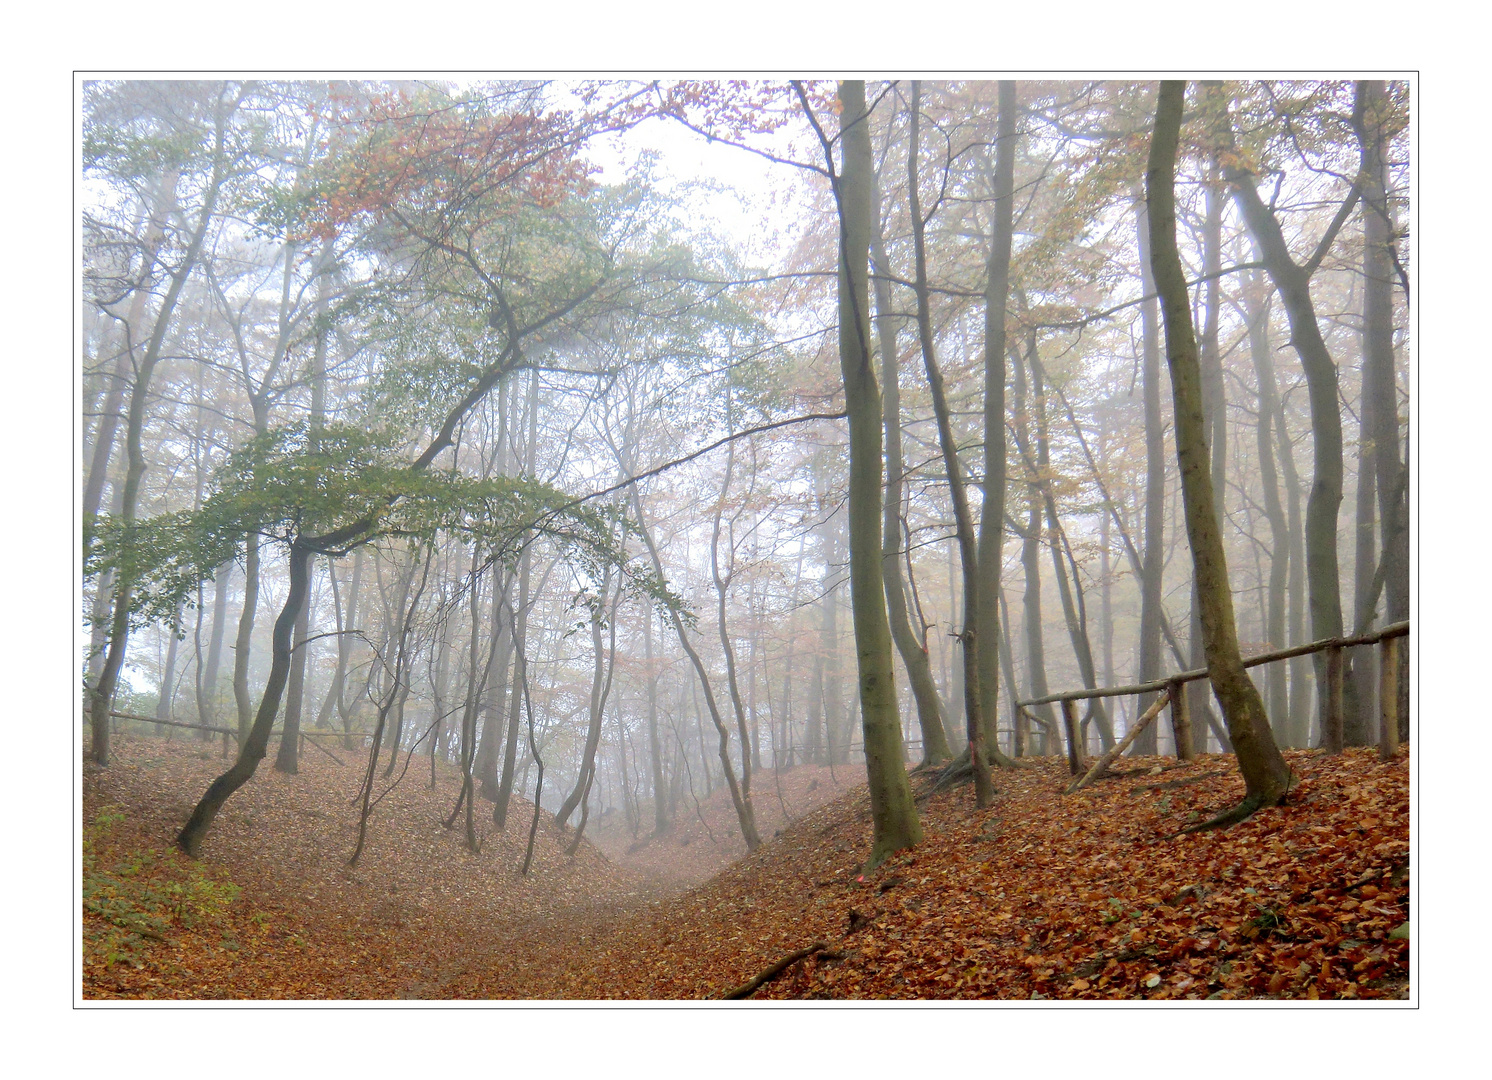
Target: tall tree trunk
(600, 686)
(1214, 406)
(215, 643)
(1293, 281)
(1036, 684)
(892, 810)
(655, 753)
(992, 513)
(968, 636)
(1153, 565)
(909, 643)
(1380, 389)
(739, 799)
(164, 698)
(287, 760)
(1266, 776)
(101, 701)
(722, 585)
(1074, 609)
(1257, 313)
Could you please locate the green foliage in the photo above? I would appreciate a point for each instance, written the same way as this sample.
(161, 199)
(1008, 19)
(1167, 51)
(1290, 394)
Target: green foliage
(294, 486)
(135, 899)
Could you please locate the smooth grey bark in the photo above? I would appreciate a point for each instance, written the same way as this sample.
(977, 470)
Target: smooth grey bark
(1293, 280)
(1379, 456)
(1036, 683)
(164, 698)
(655, 753)
(1265, 774)
(992, 513)
(968, 635)
(1256, 312)
(215, 645)
(1153, 565)
(894, 823)
(909, 643)
(722, 586)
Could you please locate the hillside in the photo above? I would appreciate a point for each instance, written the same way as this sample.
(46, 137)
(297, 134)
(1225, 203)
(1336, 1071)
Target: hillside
(1038, 896)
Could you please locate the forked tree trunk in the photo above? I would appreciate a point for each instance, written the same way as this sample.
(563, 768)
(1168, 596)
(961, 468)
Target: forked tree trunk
(1266, 776)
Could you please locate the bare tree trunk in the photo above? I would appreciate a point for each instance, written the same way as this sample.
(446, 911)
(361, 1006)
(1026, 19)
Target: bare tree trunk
(892, 810)
(911, 645)
(600, 687)
(1292, 280)
(1279, 529)
(739, 799)
(968, 636)
(1153, 566)
(1266, 776)
(101, 701)
(992, 511)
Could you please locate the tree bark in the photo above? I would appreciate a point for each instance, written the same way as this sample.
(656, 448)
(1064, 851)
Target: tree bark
(992, 512)
(892, 810)
(1153, 566)
(1292, 281)
(968, 636)
(1266, 776)
(911, 645)
(101, 701)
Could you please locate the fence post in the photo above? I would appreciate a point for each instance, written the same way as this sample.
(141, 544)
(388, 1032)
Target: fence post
(1074, 753)
(1181, 721)
(1388, 697)
(1331, 717)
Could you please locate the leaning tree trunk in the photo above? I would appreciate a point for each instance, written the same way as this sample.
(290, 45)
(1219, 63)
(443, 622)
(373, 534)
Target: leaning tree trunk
(892, 810)
(253, 750)
(1266, 776)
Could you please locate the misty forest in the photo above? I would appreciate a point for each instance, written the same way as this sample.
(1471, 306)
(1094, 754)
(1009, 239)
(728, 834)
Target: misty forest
(745, 539)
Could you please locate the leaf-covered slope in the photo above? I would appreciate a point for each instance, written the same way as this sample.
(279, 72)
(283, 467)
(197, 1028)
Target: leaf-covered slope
(1091, 896)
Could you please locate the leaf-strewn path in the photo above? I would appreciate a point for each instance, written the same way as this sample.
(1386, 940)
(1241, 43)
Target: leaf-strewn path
(1088, 896)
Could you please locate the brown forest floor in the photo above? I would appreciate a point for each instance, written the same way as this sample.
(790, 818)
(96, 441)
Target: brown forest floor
(1091, 896)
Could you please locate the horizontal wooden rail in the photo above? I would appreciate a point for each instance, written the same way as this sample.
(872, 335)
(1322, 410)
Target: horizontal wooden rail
(324, 733)
(173, 723)
(1393, 630)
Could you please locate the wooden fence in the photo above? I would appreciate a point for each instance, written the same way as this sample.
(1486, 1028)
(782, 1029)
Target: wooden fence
(1387, 639)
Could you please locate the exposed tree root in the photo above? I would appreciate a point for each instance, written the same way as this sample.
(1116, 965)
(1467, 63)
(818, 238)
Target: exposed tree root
(1242, 812)
(756, 982)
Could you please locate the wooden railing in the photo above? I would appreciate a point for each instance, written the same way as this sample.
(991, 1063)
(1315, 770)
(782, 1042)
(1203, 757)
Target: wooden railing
(1387, 640)
(305, 736)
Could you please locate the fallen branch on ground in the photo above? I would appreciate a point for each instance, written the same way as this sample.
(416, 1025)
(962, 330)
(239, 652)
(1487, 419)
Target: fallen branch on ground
(1102, 764)
(752, 985)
